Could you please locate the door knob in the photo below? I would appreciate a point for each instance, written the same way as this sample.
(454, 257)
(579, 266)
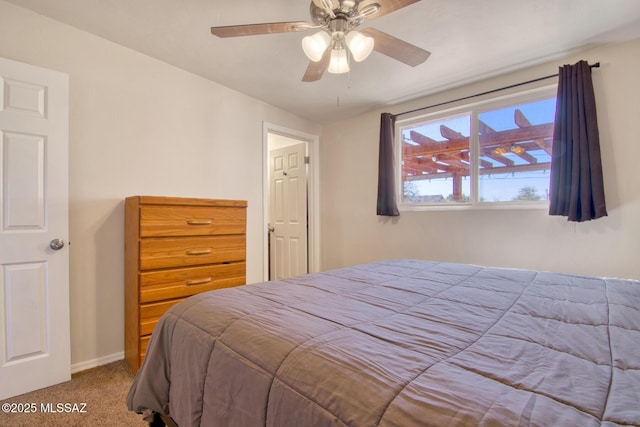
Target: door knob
(56, 244)
(272, 229)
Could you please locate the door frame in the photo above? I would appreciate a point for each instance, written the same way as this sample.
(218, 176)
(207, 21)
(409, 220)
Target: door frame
(313, 193)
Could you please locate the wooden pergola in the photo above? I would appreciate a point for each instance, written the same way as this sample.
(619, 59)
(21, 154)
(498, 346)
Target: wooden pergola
(426, 158)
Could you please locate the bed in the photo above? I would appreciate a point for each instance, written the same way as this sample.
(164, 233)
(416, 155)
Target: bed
(400, 343)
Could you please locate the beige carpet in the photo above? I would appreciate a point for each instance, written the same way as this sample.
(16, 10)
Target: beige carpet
(103, 390)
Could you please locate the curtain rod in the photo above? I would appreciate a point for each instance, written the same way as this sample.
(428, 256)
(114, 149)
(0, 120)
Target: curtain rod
(596, 65)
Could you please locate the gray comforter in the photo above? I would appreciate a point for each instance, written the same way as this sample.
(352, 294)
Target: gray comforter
(400, 343)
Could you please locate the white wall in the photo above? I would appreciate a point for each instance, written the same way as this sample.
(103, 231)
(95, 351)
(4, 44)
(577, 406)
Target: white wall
(138, 126)
(352, 233)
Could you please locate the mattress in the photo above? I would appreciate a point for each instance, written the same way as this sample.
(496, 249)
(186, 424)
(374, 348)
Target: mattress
(400, 343)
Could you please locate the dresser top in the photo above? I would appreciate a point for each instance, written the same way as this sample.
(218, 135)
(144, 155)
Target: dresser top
(186, 201)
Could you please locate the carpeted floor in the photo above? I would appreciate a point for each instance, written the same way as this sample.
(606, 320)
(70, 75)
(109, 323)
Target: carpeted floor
(96, 397)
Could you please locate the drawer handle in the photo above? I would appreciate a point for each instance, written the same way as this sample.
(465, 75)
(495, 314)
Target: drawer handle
(199, 221)
(198, 282)
(199, 252)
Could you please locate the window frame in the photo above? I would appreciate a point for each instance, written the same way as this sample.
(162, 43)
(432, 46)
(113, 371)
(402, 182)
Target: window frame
(473, 110)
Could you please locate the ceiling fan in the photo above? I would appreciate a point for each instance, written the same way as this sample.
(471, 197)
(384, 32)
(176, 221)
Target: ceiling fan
(337, 20)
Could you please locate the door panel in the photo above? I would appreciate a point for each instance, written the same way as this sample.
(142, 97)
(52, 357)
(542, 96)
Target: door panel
(294, 201)
(34, 278)
(23, 165)
(25, 305)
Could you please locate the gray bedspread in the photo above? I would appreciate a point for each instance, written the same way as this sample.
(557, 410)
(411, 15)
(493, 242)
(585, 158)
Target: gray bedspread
(400, 343)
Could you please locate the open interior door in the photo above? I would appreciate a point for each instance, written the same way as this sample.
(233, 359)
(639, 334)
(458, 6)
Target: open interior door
(34, 255)
(288, 212)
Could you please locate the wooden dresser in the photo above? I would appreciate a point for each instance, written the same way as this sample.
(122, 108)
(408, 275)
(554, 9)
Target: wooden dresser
(174, 248)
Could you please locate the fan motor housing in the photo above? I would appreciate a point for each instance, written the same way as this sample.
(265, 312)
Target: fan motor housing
(320, 16)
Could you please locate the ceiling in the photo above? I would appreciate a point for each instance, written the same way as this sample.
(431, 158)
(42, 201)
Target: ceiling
(468, 40)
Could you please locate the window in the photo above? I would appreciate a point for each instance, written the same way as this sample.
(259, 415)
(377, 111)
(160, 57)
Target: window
(486, 154)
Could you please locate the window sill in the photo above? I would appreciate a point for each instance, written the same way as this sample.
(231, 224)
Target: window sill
(414, 207)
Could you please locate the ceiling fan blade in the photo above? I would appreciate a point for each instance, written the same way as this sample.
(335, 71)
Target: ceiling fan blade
(397, 49)
(257, 29)
(315, 70)
(386, 6)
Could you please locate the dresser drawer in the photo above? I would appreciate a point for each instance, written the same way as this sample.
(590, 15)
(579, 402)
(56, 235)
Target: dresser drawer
(159, 221)
(183, 282)
(191, 251)
(151, 313)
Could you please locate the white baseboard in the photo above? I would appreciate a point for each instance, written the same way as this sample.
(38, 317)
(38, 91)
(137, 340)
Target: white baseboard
(89, 364)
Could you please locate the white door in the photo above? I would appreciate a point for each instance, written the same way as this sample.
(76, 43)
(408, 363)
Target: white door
(288, 212)
(34, 271)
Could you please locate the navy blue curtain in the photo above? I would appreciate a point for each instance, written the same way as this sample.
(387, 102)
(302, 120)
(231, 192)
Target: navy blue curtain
(577, 189)
(387, 205)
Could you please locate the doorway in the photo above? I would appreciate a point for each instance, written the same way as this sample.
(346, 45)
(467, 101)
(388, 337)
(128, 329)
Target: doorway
(290, 202)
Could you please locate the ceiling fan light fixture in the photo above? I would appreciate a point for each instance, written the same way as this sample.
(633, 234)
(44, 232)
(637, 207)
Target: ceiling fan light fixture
(314, 46)
(359, 45)
(339, 62)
